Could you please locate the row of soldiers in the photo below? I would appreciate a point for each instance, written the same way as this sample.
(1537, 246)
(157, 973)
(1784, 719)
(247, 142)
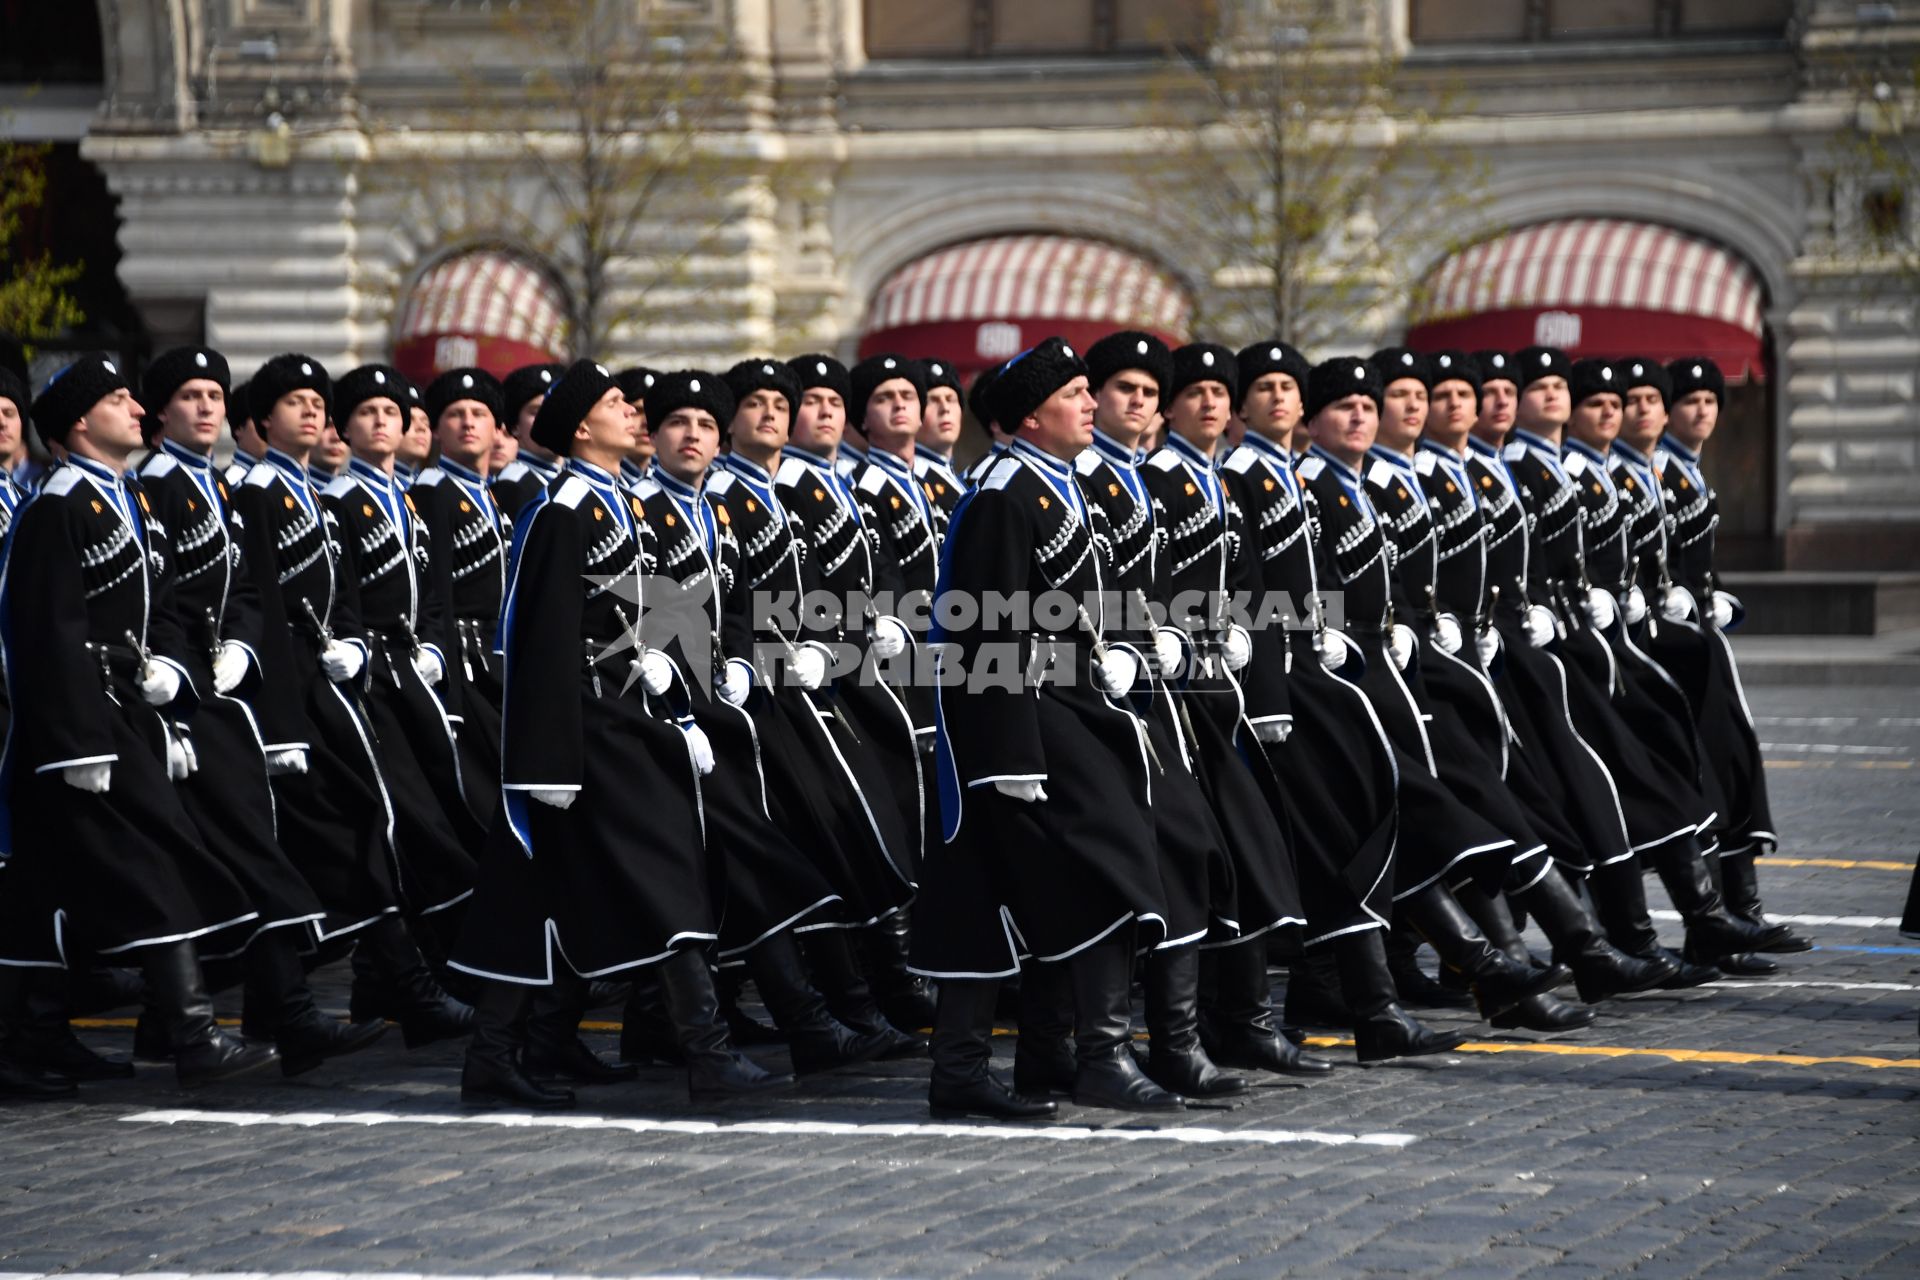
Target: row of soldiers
(276, 713)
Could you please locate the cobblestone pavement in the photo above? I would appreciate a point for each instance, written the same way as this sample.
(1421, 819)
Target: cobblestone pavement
(1743, 1130)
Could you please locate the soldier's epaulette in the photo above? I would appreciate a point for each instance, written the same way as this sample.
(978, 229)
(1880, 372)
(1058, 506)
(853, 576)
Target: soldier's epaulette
(1310, 468)
(340, 486)
(1382, 474)
(1515, 450)
(428, 478)
(1164, 460)
(1241, 460)
(512, 472)
(1002, 472)
(1087, 462)
(61, 482)
(158, 463)
(1660, 460)
(1575, 464)
(792, 473)
(721, 484)
(647, 489)
(1424, 462)
(571, 491)
(872, 480)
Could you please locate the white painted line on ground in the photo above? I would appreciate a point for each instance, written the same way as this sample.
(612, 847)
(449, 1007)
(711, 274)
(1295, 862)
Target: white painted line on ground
(1841, 922)
(1840, 722)
(778, 1128)
(1736, 983)
(332, 1275)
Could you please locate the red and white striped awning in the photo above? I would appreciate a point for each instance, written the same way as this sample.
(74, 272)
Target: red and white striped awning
(488, 308)
(980, 302)
(1598, 286)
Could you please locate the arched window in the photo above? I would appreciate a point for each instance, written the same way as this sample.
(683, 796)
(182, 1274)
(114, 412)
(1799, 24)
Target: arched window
(487, 308)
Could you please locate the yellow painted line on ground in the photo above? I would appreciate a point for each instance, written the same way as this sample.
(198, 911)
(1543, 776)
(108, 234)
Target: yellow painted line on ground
(1851, 864)
(1722, 1056)
(1772, 763)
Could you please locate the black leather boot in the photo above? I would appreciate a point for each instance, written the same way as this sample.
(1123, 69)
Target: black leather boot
(647, 1037)
(1499, 981)
(43, 1039)
(1711, 931)
(1176, 1061)
(743, 1029)
(837, 975)
(202, 1053)
(1619, 893)
(1741, 964)
(492, 1075)
(714, 1067)
(1740, 885)
(1600, 970)
(1107, 1074)
(553, 1043)
(1688, 973)
(391, 980)
(1382, 1029)
(1418, 990)
(1236, 1026)
(1543, 1012)
(17, 1079)
(279, 1002)
(905, 997)
(1043, 1061)
(961, 1084)
(816, 1040)
(1314, 993)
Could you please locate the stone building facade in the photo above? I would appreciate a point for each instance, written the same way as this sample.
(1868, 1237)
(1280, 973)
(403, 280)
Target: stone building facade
(266, 155)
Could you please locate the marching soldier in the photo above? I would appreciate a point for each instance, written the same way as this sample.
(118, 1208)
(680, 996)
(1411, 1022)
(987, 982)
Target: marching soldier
(1705, 666)
(517, 481)
(980, 404)
(1033, 755)
(229, 797)
(467, 541)
(416, 441)
(597, 863)
(940, 420)
(404, 620)
(336, 815)
(99, 857)
(248, 447)
(1441, 841)
(14, 403)
(635, 383)
(1663, 814)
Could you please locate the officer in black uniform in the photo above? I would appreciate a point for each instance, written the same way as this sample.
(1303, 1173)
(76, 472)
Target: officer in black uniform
(597, 862)
(940, 420)
(533, 467)
(100, 859)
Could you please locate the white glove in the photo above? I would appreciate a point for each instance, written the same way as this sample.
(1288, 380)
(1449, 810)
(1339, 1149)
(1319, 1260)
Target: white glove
(559, 799)
(808, 666)
(1446, 633)
(1021, 790)
(1676, 605)
(159, 684)
(656, 672)
(1117, 674)
(1600, 608)
(1538, 624)
(1169, 651)
(1332, 650)
(1400, 642)
(290, 760)
(179, 759)
(1487, 645)
(427, 665)
(701, 748)
(89, 777)
(1722, 607)
(1238, 650)
(889, 637)
(736, 681)
(1636, 608)
(1273, 730)
(230, 668)
(341, 661)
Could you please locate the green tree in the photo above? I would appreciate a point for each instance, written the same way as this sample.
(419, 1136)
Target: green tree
(1293, 167)
(34, 302)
